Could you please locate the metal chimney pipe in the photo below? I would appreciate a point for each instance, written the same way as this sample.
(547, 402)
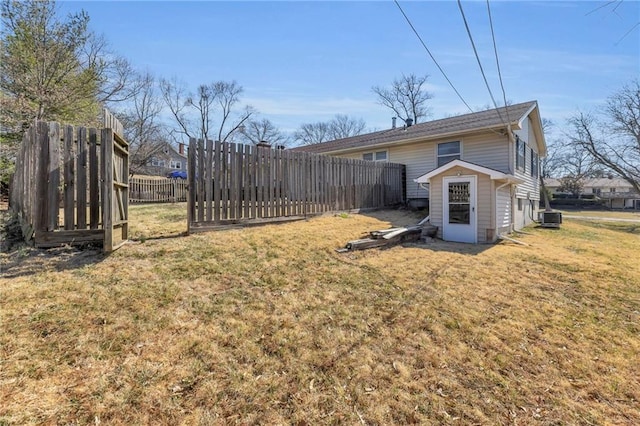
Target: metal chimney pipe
(393, 122)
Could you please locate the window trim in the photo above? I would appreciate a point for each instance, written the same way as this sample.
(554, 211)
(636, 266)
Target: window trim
(535, 164)
(438, 156)
(373, 155)
(521, 164)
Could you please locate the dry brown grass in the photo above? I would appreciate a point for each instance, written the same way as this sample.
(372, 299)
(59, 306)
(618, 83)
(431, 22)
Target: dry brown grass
(270, 325)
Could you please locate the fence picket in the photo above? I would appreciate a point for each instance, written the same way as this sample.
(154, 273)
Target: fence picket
(81, 163)
(258, 183)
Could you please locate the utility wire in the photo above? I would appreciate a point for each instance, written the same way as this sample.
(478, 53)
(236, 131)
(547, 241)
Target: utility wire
(495, 50)
(601, 6)
(475, 51)
(431, 55)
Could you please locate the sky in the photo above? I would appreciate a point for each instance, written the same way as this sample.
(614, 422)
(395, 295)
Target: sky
(302, 62)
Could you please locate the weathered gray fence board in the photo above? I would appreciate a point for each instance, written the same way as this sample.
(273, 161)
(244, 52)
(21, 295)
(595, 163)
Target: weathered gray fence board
(69, 181)
(53, 167)
(81, 162)
(94, 181)
(243, 184)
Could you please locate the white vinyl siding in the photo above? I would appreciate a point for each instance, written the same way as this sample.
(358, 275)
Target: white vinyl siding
(488, 149)
(503, 209)
(530, 189)
(484, 207)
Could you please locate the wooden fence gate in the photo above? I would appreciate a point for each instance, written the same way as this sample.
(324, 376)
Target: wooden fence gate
(70, 185)
(243, 184)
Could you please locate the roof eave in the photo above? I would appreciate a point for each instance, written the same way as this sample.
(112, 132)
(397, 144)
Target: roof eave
(421, 139)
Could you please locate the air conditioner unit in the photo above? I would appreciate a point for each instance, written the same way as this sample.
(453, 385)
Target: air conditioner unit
(550, 219)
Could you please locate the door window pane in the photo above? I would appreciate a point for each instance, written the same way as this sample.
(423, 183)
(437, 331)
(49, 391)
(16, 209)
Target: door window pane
(459, 193)
(459, 213)
(459, 203)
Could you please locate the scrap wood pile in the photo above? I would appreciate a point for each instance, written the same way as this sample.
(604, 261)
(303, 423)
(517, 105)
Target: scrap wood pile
(392, 236)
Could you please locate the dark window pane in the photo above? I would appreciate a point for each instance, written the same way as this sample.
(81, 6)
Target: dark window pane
(445, 159)
(381, 155)
(459, 213)
(368, 156)
(449, 148)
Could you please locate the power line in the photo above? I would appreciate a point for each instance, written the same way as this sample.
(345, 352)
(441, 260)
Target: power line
(431, 55)
(495, 50)
(475, 51)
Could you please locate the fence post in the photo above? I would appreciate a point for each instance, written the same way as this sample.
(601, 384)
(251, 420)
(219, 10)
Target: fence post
(106, 172)
(40, 177)
(191, 179)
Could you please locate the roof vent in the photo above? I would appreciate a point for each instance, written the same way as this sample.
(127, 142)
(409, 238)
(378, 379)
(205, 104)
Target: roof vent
(409, 122)
(393, 122)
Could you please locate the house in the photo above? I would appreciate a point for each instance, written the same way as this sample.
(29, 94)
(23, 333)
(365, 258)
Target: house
(478, 172)
(165, 160)
(618, 193)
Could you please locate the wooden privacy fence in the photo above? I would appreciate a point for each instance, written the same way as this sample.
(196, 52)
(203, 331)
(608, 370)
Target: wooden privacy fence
(153, 190)
(70, 186)
(232, 183)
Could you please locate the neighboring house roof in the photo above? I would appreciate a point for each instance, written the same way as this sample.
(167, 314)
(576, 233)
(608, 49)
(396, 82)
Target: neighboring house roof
(461, 124)
(168, 149)
(592, 183)
(492, 173)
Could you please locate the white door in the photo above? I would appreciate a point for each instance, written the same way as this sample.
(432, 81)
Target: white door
(460, 213)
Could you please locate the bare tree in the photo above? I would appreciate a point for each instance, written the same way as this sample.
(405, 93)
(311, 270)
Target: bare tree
(256, 131)
(310, 133)
(406, 97)
(343, 126)
(571, 185)
(339, 127)
(144, 130)
(613, 140)
(551, 164)
(196, 114)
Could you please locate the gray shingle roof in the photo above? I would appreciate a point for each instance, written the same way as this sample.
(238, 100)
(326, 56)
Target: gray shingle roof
(430, 129)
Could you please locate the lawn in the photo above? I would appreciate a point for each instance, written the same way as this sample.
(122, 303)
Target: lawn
(269, 325)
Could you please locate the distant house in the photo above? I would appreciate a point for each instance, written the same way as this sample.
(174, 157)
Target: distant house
(618, 193)
(478, 172)
(165, 160)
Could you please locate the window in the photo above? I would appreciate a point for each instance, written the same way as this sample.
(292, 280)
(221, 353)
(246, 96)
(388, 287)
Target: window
(375, 156)
(448, 151)
(157, 163)
(176, 164)
(520, 153)
(535, 164)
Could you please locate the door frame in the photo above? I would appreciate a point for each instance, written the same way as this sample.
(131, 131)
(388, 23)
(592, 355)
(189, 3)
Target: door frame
(473, 214)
